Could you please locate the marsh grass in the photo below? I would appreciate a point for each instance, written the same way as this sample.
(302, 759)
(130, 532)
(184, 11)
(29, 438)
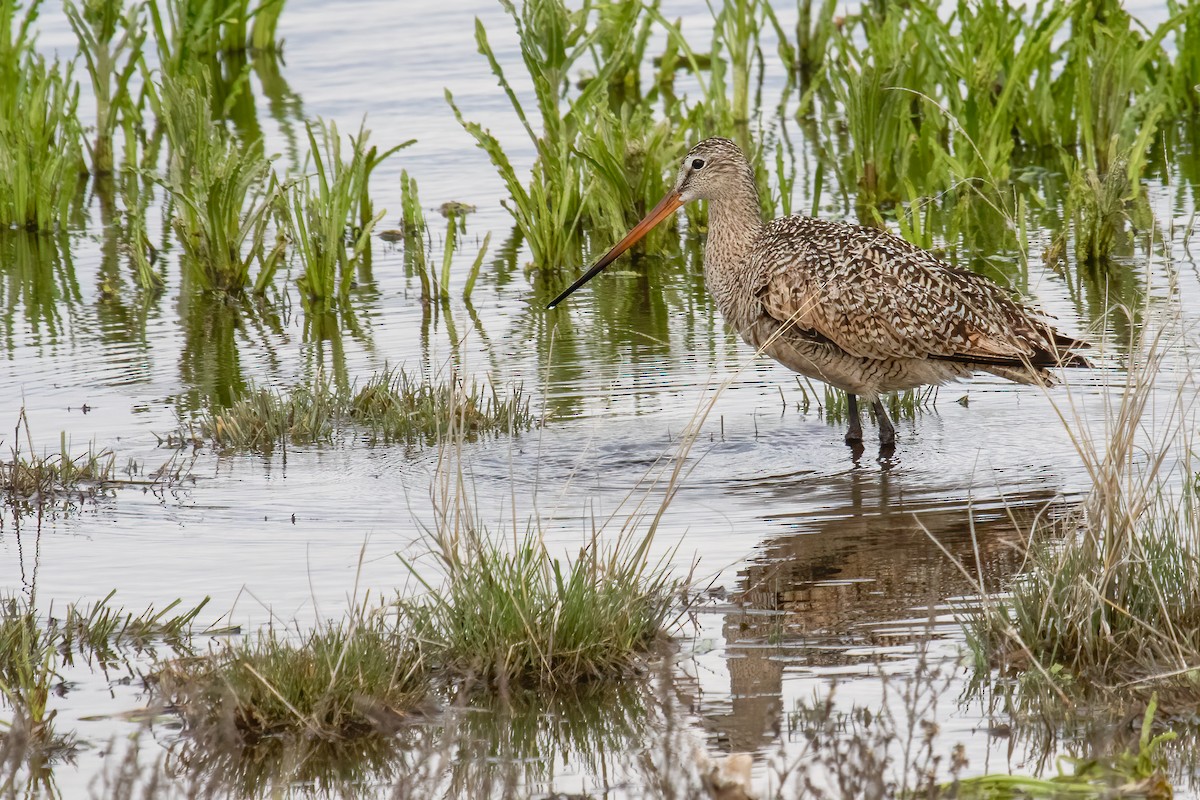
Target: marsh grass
(391, 406)
(264, 418)
(1098, 209)
(553, 40)
(833, 404)
(1110, 602)
(812, 39)
(889, 137)
(329, 215)
(993, 65)
(1133, 773)
(222, 191)
(28, 664)
(1116, 77)
(136, 194)
(736, 26)
(102, 631)
(510, 613)
(1185, 75)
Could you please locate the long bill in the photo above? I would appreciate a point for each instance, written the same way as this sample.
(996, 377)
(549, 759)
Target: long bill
(664, 209)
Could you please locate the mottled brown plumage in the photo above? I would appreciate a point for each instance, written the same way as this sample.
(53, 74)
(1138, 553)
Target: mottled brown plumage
(858, 308)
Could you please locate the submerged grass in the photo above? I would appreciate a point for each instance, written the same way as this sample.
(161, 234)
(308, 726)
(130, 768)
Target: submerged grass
(41, 153)
(33, 647)
(391, 405)
(28, 475)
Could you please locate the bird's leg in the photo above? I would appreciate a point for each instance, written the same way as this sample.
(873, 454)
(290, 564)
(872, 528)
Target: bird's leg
(887, 433)
(855, 432)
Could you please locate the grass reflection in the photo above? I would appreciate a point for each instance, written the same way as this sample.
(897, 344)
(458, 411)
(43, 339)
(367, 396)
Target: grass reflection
(37, 284)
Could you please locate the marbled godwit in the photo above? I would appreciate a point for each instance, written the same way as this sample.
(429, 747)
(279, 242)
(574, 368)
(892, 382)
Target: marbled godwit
(857, 308)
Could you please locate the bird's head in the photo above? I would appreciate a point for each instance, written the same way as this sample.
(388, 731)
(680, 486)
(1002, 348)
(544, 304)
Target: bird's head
(709, 170)
(706, 173)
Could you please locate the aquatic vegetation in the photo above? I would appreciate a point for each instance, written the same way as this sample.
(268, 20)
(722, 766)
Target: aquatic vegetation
(1115, 79)
(394, 406)
(414, 231)
(1132, 774)
(329, 216)
(263, 33)
(1185, 73)
(41, 154)
(891, 135)
(338, 680)
(436, 285)
(262, 419)
(390, 406)
(28, 662)
(111, 61)
(995, 64)
(736, 27)
(548, 210)
(223, 191)
(631, 157)
(1098, 209)
(135, 200)
(812, 39)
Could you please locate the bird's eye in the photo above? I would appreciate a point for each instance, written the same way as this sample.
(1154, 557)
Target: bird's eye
(697, 163)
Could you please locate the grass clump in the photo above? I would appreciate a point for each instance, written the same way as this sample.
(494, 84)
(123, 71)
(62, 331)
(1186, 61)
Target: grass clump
(33, 647)
(264, 418)
(513, 614)
(394, 405)
(336, 680)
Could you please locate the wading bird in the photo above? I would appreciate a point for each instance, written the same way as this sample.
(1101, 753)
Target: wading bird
(857, 308)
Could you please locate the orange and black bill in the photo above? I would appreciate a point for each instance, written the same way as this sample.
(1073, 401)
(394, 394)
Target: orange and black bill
(664, 209)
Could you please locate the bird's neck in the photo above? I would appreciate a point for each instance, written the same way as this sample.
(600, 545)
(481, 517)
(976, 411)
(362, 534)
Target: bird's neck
(734, 220)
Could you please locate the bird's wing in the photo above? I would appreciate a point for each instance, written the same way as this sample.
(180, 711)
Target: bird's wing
(877, 296)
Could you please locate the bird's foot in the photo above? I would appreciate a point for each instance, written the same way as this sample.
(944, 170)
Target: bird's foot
(854, 436)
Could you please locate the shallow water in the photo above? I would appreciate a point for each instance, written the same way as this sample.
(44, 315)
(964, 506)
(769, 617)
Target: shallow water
(821, 563)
